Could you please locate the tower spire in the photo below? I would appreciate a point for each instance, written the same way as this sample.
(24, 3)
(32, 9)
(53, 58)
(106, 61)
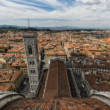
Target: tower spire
(28, 23)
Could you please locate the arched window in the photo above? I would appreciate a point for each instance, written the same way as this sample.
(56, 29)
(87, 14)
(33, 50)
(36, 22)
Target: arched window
(32, 63)
(33, 71)
(30, 49)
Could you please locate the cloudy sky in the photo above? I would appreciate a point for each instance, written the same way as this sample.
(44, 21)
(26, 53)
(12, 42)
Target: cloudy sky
(44, 13)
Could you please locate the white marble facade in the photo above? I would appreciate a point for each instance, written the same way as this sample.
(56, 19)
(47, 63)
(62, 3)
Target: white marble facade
(31, 48)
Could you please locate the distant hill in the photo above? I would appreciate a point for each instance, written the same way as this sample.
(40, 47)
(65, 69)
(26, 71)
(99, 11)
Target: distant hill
(8, 26)
(14, 28)
(57, 27)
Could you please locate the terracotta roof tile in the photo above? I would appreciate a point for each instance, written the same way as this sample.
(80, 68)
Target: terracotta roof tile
(57, 104)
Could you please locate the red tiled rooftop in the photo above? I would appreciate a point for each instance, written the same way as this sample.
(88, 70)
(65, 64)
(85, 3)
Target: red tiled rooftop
(107, 40)
(5, 86)
(15, 75)
(57, 84)
(57, 52)
(16, 49)
(10, 77)
(57, 104)
(18, 62)
(103, 82)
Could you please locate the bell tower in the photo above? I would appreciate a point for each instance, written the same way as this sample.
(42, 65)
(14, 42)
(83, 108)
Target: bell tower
(31, 48)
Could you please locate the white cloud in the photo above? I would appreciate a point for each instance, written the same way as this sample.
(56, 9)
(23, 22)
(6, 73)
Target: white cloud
(92, 2)
(93, 13)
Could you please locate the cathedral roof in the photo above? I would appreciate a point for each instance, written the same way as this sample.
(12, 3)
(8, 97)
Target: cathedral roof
(57, 104)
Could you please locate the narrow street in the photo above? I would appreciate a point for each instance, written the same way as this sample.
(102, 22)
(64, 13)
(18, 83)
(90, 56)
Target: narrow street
(79, 84)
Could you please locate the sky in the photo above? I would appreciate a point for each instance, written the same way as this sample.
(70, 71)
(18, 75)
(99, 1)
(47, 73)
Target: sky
(52, 13)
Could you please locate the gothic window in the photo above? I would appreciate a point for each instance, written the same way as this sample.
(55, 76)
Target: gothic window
(32, 71)
(32, 63)
(30, 49)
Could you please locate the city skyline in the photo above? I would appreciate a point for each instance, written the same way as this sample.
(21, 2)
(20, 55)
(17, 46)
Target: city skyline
(52, 13)
(54, 70)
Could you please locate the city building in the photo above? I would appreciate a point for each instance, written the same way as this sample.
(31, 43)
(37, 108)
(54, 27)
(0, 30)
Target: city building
(11, 80)
(66, 70)
(55, 93)
(31, 48)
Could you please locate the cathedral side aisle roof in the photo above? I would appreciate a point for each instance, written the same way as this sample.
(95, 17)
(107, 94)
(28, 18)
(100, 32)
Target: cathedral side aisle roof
(6, 97)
